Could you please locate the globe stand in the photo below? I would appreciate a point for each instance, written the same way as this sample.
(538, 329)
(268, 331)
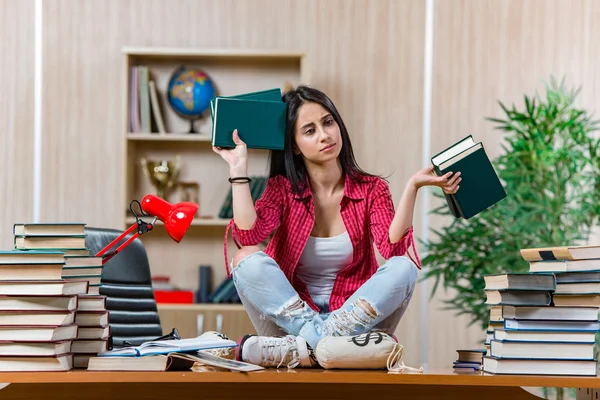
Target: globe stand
(192, 130)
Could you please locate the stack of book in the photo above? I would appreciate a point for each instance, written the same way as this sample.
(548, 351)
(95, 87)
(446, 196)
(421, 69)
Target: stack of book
(469, 360)
(37, 311)
(68, 238)
(496, 321)
(79, 265)
(549, 315)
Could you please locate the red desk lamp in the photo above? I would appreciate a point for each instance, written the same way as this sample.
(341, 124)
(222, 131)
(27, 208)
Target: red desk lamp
(176, 217)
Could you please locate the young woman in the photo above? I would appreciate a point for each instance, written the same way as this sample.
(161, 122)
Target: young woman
(318, 277)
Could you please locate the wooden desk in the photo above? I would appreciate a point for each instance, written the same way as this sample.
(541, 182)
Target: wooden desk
(276, 384)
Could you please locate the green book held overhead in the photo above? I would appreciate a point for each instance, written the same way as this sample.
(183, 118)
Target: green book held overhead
(260, 122)
(480, 187)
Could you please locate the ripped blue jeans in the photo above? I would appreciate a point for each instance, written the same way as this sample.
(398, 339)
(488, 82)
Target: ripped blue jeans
(276, 309)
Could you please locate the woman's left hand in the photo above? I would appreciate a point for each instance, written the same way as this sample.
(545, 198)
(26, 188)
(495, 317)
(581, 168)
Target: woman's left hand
(426, 177)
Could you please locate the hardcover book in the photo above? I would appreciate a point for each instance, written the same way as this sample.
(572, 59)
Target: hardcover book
(480, 187)
(259, 117)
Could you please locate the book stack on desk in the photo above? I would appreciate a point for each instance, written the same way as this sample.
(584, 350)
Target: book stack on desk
(93, 334)
(550, 315)
(496, 321)
(91, 315)
(67, 237)
(469, 360)
(37, 311)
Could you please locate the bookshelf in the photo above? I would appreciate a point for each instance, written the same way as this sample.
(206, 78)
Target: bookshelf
(232, 71)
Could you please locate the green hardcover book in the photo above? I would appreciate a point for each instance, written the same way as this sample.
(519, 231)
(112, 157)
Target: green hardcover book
(480, 187)
(260, 124)
(267, 95)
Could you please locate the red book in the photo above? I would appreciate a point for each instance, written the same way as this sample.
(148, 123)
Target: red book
(174, 296)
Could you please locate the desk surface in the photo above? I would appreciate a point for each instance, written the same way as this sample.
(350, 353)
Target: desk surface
(434, 377)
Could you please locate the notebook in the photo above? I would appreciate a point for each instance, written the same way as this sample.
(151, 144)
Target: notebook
(266, 95)
(259, 117)
(480, 187)
(202, 342)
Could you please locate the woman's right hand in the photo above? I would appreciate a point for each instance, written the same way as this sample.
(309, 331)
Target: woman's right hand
(237, 158)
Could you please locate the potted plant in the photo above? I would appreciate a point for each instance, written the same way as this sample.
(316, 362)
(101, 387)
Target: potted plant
(550, 169)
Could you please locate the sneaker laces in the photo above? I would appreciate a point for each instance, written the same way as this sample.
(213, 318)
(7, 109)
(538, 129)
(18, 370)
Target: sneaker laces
(282, 349)
(395, 363)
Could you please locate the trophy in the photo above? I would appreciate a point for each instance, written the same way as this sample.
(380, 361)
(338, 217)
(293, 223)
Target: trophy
(162, 174)
(189, 191)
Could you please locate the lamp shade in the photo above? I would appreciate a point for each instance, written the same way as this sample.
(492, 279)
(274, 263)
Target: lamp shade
(176, 217)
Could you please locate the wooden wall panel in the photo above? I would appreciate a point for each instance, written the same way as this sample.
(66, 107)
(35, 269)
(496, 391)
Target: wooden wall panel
(366, 55)
(487, 51)
(16, 115)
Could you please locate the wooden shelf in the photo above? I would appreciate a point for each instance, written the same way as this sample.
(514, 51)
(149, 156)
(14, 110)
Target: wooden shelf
(232, 71)
(170, 52)
(195, 222)
(169, 137)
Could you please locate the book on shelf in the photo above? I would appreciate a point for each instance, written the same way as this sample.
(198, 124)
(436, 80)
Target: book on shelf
(145, 109)
(480, 187)
(260, 123)
(257, 187)
(144, 97)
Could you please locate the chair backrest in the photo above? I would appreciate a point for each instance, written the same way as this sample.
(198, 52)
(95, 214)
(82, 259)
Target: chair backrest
(127, 285)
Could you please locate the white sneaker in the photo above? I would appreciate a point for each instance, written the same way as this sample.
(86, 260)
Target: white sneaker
(366, 351)
(269, 351)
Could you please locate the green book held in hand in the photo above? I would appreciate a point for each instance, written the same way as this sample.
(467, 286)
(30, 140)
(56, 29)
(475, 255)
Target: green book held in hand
(480, 187)
(259, 117)
(266, 95)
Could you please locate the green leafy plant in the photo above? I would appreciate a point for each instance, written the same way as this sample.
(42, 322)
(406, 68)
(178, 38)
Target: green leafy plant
(550, 169)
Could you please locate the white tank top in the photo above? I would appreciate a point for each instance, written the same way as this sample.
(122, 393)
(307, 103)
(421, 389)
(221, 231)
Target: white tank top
(321, 260)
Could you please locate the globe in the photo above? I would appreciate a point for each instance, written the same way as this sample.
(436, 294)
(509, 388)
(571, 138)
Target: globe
(189, 93)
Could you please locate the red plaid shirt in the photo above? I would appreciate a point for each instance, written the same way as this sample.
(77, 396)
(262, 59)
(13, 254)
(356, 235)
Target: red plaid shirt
(367, 211)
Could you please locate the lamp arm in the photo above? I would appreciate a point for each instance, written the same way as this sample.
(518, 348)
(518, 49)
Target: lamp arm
(141, 227)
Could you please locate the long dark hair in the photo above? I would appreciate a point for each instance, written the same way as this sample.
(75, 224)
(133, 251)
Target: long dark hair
(286, 163)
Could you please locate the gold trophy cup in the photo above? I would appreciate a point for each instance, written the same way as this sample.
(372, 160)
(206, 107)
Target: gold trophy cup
(162, 174)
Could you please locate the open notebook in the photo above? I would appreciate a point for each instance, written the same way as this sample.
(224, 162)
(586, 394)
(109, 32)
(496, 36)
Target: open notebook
(208, 340)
